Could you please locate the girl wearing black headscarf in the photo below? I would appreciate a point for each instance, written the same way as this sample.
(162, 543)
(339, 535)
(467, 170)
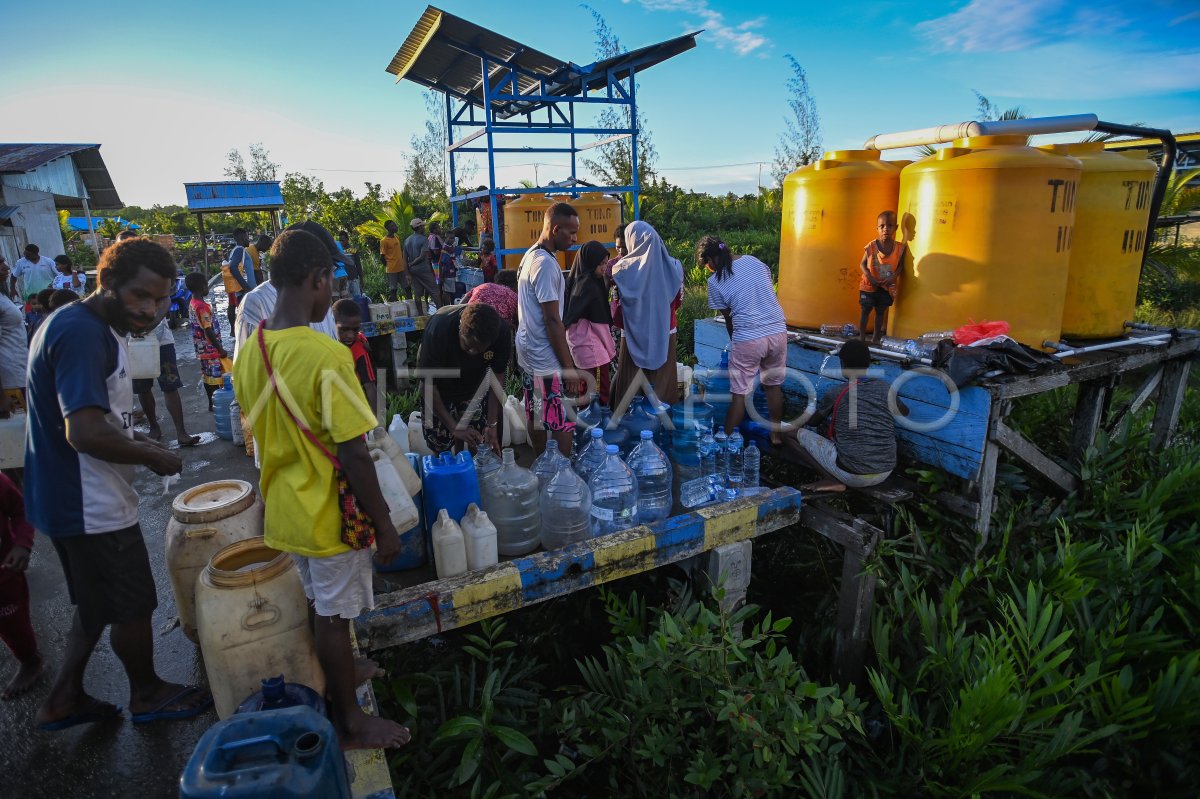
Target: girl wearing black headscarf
(587, 316)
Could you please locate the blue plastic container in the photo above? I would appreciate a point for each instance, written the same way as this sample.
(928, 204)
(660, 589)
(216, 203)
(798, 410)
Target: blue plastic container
(595, 414)
(415, 545)
(291, 752)
(639, 416)
(276, 694)
(716, 388)
(222, 398)
(690, 419)
(364, 305)
(449, 483)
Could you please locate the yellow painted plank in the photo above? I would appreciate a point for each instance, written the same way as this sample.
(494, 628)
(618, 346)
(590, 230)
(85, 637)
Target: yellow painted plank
(726, 527)
(499, 591)
(621, 558)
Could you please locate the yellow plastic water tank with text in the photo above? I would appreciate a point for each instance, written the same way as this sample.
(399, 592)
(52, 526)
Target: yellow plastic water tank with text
(599, 216)
(523, 225)
(829, 213)
(1111, 214)
(989, 225)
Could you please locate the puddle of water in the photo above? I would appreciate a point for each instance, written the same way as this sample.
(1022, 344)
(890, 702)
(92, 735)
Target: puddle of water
(196, 466)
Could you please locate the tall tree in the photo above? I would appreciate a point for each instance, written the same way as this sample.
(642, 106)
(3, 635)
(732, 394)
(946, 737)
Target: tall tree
(800, 142)
(425, 175)
(261, 165)
(235, 167)
(613, 163)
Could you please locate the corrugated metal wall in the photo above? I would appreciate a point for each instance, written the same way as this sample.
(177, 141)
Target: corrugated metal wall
(57, 177)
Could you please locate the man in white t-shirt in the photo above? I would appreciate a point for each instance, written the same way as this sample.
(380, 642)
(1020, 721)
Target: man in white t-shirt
(547, 370)
(35, 271)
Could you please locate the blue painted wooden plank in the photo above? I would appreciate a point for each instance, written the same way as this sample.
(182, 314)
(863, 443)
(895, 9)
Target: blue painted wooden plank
(955, 446)
(542, 572)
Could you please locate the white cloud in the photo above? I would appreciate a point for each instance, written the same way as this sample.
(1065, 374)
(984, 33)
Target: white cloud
(743, 37)
(1005, 26)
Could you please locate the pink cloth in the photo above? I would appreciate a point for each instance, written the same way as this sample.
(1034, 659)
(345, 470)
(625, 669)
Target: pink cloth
(768, 354)
(591, 344)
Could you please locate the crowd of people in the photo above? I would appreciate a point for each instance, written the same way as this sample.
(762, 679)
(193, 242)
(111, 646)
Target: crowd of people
(607, 325)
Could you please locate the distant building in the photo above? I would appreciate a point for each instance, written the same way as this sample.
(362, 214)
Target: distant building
(37, 181)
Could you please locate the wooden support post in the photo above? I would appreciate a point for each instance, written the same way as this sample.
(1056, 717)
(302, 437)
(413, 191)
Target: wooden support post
(1089, 414)
(985, 483)
(1170, 401)
(729, 566)
(1032, 458)
(1138, 400)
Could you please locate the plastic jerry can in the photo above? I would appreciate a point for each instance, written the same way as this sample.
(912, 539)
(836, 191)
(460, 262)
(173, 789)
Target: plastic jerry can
(284, 753)
(414, 543)
(143, 357)
(480, 535)
(450, 483)
(277, 693)
(400, 505)
(449, 547)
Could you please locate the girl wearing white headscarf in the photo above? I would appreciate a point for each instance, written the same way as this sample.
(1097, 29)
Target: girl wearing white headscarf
(649, 280)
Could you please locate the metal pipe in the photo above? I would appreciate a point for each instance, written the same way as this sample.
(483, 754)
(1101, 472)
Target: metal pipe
(1152, 341)
(1159, 329)
(879, 351)
(940, 134)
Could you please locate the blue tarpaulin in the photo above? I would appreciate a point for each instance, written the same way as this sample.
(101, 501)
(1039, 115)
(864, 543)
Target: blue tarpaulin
(80, 222)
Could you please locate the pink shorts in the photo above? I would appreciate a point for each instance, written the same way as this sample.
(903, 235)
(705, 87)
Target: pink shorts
(767, 354)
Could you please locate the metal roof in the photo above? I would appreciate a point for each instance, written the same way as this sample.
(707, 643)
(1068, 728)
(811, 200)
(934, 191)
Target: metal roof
(102, 193)
(234, 195)
(443, 53)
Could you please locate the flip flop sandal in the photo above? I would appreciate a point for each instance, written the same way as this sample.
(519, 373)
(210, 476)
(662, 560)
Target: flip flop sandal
(98, 712)
(161, 713)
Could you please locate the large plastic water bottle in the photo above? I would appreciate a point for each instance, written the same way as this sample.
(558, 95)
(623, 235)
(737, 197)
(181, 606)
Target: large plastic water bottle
(222, 398)
(614, 495)
(594, 415)
(590, 457)
(549, 463)
(733, 476)
(750, 466)
(695, 493)
(487, 463)
(653, 472)
(512, 501)
(566, 510)
(642, 415)
(708, 454)
(722, 455)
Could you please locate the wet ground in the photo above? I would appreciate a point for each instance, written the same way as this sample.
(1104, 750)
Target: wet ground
(118, 758)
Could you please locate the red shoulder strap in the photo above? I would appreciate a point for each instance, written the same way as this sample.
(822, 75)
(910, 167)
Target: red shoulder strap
(262, 346)
(832, 434)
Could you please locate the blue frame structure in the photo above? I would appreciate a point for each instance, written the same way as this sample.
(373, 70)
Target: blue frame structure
(495, 87)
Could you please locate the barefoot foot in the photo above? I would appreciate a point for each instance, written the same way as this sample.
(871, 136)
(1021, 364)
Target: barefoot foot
(371, 732)
(824, 487)
(25, 678)
(188, 441)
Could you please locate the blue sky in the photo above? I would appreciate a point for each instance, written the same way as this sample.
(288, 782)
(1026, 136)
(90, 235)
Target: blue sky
(168, 88)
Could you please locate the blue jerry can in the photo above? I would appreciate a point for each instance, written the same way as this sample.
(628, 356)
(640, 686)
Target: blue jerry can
(290, 752)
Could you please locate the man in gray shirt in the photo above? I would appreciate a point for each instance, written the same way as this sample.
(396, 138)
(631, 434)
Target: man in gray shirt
(420, 270)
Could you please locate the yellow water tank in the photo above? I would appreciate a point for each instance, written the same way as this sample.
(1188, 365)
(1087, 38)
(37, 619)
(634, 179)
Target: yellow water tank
(1111, 214)
(829, 214)
(599, 216)
(989, 224)
(523, 225)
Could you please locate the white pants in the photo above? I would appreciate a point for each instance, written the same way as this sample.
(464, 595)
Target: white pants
(339, 585)
(824, 452)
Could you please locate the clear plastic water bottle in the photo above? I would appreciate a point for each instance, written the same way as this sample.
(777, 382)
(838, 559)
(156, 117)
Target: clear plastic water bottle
(733, 475)
(614, 495)
(722, 455)
(487, 463)
(751, 461)
(566, 510)
(549, 463)
(653, 472)
(708, 454)
(512, 502)
(695, 493)
(591, 456)
(849, 330)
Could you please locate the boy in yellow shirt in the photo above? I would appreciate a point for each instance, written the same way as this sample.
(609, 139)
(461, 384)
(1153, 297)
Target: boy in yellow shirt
(305, 405)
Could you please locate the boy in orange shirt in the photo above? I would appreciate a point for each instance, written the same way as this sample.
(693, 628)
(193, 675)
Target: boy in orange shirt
(881, 264)
(391, 249)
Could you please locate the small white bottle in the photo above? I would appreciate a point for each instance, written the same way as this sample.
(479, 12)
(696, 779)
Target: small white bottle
(449, 547)
(480, 536)
(235, 424)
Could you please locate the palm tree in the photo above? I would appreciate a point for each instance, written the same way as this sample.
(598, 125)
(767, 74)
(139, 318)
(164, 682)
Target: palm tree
(398, 209)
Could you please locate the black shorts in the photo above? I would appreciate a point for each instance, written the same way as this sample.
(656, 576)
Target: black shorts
(878, 299)
(108, 577)
(168, 373)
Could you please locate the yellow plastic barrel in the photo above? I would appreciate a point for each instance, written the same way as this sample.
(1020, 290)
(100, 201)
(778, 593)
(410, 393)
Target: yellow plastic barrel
(989, 223)
(829, 213)
(599, 215)
(1111, 215)
(523, 225)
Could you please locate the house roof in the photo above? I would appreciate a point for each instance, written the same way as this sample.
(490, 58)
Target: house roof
(102, 193)
(234, 195)
(443, 52)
